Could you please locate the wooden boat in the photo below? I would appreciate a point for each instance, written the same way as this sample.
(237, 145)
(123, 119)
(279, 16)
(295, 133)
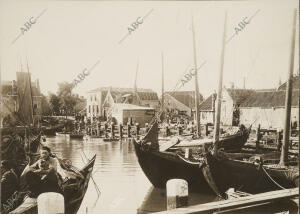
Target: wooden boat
(160, 166)
(52, 129)
(223, 172)
(76, 136)
(256, 176)
(63, 134)
(73, 190)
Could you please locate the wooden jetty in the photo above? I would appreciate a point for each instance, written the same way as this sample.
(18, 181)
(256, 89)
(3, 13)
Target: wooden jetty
(237, 203)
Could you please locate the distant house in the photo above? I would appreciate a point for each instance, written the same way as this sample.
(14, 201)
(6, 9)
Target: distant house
(181, 101)
(251, 107)
(231, 100)
(267, 108)
(100, 101)
(17, 102)
(124, 113)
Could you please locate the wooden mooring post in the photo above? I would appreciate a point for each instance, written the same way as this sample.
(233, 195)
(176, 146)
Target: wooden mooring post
(128, 130)
(177, 193)
(51, 203)
(137, 128)
(120, 131)
(258, 137)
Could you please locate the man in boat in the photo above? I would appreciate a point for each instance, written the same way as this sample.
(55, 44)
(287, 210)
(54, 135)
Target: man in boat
(42, 175)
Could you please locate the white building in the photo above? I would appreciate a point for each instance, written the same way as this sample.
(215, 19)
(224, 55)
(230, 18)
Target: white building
(101, 100)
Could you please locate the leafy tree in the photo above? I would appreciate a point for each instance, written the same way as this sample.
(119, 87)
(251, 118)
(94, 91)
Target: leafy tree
(55, 104)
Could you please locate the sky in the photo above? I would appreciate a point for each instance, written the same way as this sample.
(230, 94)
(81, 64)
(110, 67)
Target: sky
(70, 37)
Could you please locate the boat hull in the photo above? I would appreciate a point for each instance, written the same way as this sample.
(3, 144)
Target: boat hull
(159, 167)
(223, 173)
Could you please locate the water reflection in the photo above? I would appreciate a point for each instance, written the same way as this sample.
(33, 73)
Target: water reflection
(124, 187)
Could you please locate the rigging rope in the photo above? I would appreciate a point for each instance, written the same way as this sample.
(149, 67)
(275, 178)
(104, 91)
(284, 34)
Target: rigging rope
(272, 178)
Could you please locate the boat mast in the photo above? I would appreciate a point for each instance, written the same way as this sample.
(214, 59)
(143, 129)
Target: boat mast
(219, 95)
(198, 131)
(288, 98)
(135, 85)
(29, 79)
(162, 82)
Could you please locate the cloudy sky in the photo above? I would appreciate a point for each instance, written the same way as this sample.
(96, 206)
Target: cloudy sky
(70, 36)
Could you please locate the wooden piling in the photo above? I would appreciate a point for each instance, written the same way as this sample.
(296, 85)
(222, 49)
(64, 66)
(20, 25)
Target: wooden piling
(112, 130)
(258, 137)
(137, 126)
(177, 193)
(105, 130)
(128, 130)
(121, 131)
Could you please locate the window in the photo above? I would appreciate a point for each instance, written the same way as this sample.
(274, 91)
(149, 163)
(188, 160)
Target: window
(89, 109)
(91, 98)
(97, 109)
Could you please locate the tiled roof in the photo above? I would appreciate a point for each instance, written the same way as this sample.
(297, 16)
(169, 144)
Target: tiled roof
(239, 95)
(270, 99)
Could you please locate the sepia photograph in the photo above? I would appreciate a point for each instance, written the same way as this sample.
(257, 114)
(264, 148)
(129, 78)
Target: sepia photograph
(139, 107)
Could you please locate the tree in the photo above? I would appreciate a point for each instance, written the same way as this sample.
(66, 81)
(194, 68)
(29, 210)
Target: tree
(55, 104)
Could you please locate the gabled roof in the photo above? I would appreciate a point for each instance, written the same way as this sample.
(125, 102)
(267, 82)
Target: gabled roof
(207, 104)
(269, 99)
(185, 97)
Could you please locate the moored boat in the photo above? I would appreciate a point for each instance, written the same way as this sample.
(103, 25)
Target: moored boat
(253, 176)
(160, 166)
(73, 189)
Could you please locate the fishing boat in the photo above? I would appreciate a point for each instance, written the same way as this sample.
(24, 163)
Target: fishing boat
(256, 175)
(73, 189)
(251, 175)
(76, 136)
(63, 134)
(52, 129)
(160, 166)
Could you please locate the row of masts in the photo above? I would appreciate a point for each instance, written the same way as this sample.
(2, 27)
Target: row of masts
(285, 146)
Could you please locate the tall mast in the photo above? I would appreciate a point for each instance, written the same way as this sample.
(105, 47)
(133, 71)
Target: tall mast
(288, 98)
(29, 79)
(135, 85)
(162, 82)
(198, 131)
(219, 96)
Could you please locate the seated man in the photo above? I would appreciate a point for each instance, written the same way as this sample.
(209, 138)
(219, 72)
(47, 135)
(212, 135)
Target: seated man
(42, 175)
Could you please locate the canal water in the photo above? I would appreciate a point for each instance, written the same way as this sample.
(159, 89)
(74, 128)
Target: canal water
(123, 185)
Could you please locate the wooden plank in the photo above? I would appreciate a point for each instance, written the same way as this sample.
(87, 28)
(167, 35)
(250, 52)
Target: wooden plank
(164, 146)
(236, 203)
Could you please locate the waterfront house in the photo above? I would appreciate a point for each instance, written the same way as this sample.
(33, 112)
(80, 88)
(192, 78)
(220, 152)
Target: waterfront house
(181, 102)
(101, 100)
(16, 99)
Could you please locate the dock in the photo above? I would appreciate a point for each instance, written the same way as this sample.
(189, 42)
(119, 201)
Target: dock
(236, 203)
